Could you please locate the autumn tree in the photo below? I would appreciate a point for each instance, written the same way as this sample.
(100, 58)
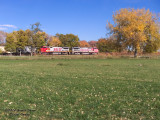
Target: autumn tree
(35, 38)
(68, 40)
(54, 41)
(39, 40)
(38, 37)
(151, 46)
(153, 36)
(92, 43)
(16, 41)
(107, 45)
(30, 42)
(29, 34)
(84, 43)
(11, 42)
(21, 40)
(102, 45)
(134, 28)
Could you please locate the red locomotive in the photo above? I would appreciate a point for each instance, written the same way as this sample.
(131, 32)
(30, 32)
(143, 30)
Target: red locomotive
(54, 50)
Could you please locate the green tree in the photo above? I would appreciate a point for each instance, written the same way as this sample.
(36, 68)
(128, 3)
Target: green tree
(16, 41)
(106, 45)
(102, 45)
(11, 42)
(22, 40)
(39, 40)
(30, 42)
(153, 37)
(19, 39)
(69, 40)
(151, 46)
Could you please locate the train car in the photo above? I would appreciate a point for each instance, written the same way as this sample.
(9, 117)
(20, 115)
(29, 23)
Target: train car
(85, 50)
(54, 50)
(65, 50)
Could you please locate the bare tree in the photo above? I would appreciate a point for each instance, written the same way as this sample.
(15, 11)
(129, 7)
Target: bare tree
(2, 37)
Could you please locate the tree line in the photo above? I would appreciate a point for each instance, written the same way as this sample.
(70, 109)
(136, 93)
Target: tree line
(132, 30)
(36, 38)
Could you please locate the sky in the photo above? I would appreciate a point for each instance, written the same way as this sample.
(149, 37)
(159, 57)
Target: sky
(85, 18)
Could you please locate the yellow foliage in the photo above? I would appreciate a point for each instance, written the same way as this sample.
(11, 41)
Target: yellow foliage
(54, 41)
(134, 26)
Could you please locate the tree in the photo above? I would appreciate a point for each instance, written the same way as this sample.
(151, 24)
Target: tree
(102, 45)
(84, 43)
(151, 46)
(11, 42)
(92, 43)
(36, 27)
(19, 39)
(3, 36)
(16, 41)
(22, 40)
(106, 45)
(133, 27)
(39, 40)
(68, 40)
(54, 41)
(30, 43)
(29, 34)
(153, 37)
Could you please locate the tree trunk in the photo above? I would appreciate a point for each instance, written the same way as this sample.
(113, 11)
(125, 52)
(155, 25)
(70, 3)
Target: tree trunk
(20, 52)
(135, 53)
(31, 51)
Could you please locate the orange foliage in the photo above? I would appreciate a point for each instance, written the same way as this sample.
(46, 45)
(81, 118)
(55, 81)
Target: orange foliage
(84, 43)
(93, 43)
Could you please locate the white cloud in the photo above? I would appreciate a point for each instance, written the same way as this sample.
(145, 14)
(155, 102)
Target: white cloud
(10, 26)
(2, 28)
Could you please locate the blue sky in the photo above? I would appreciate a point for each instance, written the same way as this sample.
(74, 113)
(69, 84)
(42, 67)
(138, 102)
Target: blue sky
(85, 18)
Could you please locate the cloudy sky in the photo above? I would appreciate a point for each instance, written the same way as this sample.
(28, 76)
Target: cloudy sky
(85, 18)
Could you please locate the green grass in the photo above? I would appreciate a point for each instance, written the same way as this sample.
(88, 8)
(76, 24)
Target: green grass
(80, 89)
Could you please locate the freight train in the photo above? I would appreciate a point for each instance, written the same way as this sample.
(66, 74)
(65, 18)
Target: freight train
(66, 50)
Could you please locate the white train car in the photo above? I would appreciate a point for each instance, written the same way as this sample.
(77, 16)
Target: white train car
(84, 50)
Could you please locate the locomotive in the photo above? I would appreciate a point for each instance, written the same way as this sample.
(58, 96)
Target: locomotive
(65, 50)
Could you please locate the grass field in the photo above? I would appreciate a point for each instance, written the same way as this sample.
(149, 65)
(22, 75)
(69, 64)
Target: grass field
(48, 89)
